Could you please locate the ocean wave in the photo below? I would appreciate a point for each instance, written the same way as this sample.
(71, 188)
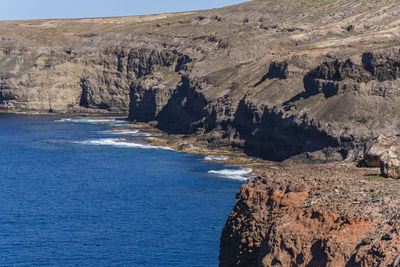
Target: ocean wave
(241, 174)
(122, 124)
(118, 143)
(86, 120)
(149, 134)
(121, 132)
(127, 132)
(217, 158)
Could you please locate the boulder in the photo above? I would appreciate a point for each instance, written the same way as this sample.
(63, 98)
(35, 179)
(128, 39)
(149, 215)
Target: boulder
(377, 148)
(390, 164)
(384, 152)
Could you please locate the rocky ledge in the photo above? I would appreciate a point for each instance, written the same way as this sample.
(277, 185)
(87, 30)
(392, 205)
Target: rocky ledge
(318, 82)
(314, 215)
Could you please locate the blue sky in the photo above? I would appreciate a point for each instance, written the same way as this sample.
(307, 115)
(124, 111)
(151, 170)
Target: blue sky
(40, 9)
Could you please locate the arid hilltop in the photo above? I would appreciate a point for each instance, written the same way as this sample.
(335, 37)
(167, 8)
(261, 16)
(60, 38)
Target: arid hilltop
(293, 79)
(277, 78)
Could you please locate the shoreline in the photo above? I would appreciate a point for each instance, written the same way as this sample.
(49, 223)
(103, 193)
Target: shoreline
(187, 143)
(91, 112)
(305, 201)
(178, 142)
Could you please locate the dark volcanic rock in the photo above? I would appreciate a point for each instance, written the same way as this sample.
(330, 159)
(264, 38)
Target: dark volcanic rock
(271, 85)
(276, 79)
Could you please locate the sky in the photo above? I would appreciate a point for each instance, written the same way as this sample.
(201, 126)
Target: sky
(43, 9)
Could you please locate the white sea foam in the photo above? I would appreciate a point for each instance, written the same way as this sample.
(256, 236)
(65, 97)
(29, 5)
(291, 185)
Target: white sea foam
(149, 134)
(217, 158)
(241, 174)
(86, 120)
(122, 124)
(119, 143)
(128, 132)
(122, 132)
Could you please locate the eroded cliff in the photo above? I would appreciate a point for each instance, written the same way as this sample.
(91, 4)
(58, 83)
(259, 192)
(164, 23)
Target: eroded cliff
(319, 215)
(318, 81)
(315, 80)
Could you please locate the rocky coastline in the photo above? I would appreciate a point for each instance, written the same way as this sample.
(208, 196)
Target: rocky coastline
(319, 215)
(308, 99)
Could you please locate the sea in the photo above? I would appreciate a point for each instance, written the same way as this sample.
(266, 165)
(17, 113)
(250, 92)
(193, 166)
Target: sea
(75, 192)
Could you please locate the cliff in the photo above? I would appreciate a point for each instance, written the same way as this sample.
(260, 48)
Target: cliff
(320, 215)
(318, 81)
(310, 80)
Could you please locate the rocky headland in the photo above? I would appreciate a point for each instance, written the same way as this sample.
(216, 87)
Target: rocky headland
(326, 215)
(310, 85)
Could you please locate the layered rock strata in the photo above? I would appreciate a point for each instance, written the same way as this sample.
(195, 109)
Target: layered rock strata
(297, 84)
(315, 80)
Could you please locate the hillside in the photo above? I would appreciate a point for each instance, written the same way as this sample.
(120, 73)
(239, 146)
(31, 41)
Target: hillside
(280, 80)
(304, 75)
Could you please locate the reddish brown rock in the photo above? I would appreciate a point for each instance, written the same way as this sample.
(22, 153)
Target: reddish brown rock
(330, 222)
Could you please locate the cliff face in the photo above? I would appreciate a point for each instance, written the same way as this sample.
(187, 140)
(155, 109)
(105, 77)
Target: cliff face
(318, 86)
(341, 105)
(278, 79)
(313, 216)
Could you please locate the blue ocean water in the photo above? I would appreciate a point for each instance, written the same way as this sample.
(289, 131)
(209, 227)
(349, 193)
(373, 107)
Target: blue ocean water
(70, 196)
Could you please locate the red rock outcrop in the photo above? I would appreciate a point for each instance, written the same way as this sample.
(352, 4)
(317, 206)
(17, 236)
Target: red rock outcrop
(290, 218)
